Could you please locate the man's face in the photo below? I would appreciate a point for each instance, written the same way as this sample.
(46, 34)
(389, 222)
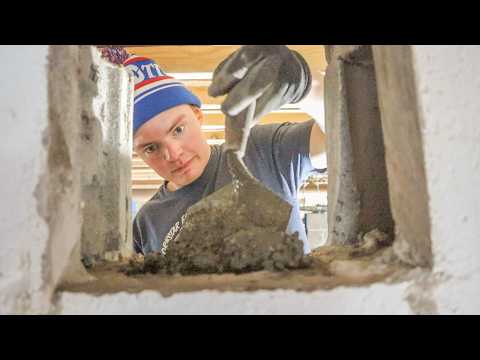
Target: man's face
(172, 144)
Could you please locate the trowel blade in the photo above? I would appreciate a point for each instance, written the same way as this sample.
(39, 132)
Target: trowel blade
(241, 206)
(244, 203)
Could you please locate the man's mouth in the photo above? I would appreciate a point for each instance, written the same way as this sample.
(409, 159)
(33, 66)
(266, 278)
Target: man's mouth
(183, 167)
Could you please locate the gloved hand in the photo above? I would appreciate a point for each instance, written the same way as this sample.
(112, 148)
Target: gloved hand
(258, 79)
(269, 75)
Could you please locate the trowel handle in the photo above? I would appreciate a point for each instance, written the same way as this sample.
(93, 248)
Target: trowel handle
(237, 168)
(237, 130)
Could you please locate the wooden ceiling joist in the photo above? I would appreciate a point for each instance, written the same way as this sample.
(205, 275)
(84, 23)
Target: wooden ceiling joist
(205, 58)
(217, 118)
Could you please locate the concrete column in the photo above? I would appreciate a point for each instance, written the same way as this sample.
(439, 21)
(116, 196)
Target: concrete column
(106, 142)
(357, 183)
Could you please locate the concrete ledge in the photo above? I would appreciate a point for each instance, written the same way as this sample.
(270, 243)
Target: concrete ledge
(298, 292)
(323, 286)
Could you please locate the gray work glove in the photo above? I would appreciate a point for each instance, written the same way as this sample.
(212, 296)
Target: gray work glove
(258, 80)
(269, 75)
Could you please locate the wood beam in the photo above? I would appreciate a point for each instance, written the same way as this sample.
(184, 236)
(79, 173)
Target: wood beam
(217, 118)
(202, 93)
(205, 58)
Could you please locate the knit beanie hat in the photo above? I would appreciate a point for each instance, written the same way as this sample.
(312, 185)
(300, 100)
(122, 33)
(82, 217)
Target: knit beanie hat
(154, 91)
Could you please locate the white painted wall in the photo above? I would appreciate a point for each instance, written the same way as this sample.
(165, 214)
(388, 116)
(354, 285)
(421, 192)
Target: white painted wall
(23, 233)
(377, 299)
(448, 83)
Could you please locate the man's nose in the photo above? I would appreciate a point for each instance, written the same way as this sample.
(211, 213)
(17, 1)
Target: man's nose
(172, 152)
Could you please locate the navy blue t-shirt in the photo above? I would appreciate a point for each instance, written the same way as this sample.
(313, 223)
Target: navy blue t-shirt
(276, 154)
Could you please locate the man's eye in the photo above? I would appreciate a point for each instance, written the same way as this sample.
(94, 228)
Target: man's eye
(179, 130)
(150, 149)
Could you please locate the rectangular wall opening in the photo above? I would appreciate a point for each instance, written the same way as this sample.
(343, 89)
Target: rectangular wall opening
(358, 223)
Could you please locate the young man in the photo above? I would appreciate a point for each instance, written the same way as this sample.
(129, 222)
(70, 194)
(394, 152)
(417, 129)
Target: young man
(168, 137)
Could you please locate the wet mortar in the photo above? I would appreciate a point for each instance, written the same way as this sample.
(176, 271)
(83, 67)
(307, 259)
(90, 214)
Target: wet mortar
(239, 228)
(259, 249)
(248, 250)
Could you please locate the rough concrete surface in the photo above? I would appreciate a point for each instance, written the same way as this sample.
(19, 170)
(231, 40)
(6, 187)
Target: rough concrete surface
(60, 186)
(330, 267)
(402, 133)
(106, 146)
(362, 279)
(89, 157)
(358, 197)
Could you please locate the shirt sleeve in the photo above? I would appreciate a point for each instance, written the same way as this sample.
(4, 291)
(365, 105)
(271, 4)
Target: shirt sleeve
(137, 237)
(286, 147)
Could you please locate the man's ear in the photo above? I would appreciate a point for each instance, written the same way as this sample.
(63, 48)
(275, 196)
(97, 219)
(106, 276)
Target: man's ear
(198, 113)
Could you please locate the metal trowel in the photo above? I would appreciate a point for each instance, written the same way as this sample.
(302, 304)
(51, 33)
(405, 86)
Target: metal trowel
(245, 202)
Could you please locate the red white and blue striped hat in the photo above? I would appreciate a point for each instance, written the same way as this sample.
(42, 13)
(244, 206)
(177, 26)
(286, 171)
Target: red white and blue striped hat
(155, 92)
